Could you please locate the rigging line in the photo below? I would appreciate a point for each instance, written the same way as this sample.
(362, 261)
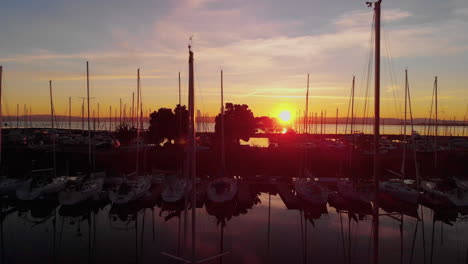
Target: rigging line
(392, 75)
(369, 75)
(430, 113)
(347, 115)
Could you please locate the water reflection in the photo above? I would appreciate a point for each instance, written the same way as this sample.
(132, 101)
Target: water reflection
(257, 227)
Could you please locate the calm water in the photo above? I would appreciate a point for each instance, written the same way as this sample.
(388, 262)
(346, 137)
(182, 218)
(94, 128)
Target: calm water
(267, 232)
(326, 129)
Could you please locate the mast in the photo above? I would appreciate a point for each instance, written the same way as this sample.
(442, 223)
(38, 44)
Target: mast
(138, 122)
(223, 152)
(120, 115)
(133, 108)
(352, 123)
(352, 107)
(52, 122)
(336, 122)
(375, 233)
(412, 129)
(69, 112)
(192, 149)
(89, 124)
(306, 119)
(17, 115)
(1, 123)
(403, 162)
(110, 117)
(180, 110)
(98, 121)
(436, 128)
(82, 116)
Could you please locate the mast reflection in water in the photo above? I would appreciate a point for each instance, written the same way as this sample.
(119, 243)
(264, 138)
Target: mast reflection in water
(254, 228)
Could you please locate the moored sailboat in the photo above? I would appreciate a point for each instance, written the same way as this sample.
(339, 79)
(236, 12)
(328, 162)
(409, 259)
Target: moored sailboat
(222, 189)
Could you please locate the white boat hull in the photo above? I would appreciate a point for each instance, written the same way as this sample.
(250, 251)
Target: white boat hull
(174, 190)
(90, 189)
(136, 191)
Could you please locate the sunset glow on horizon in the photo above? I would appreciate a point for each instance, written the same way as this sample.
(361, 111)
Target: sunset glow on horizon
(265, 64)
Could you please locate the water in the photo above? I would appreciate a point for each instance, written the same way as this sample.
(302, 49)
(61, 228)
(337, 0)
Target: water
(314, 129)
(267, 232)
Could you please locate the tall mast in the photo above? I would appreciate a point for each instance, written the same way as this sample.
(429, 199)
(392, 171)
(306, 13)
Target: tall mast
(69, 112)
(376, 172)
(110, 117)
(192, 149)
(436, 128)
(352, 123)
(120, 115)
(180, 109)
(82, 116)
(52, 122)
(17, 115)
(403, 162)
(1, 75)
(89, 125)
(223, 152)
(352, 106)
(138, 122)
(306, 119)
(133, 109)
(98, 121)
(336, 122)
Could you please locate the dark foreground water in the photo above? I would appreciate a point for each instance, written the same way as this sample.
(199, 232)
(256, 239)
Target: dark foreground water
(264, 231)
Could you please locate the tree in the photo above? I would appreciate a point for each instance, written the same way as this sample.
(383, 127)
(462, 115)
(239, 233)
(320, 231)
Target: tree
(169, 125)
(268, 124)
(239, 123)
(181, 123)
(125, 133)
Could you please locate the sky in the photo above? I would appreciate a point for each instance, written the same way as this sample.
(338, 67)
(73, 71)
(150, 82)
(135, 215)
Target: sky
(266, 48)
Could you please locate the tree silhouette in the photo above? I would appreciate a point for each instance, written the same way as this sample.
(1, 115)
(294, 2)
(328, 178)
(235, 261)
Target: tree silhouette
(268, 124)
(169, 125)
(239, 123)
(125, 133)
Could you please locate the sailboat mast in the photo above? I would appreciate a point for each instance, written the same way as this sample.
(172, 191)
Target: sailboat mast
(110, 117)
(436, 128)
(352, 106)
(223, 151)
(403, 162)
(377, 93)
(192, 149)
(306, 119)
(1, 75)
(69, 112)
(89, 124)
(138, 122)
(52, 123)
(375, 238)
(133, 109)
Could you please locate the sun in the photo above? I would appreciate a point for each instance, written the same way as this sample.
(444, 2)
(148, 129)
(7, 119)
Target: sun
(285, 116)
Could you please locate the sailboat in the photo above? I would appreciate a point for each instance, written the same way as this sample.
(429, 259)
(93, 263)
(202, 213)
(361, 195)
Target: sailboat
(222, 189)
(175, 185)
(398, 188)
(348, 189)
(456, 196)
(174, 188)
(130, 191)
(306, 187)
(89, 185)
(454, 192)
(43, 183)
(7, 185)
